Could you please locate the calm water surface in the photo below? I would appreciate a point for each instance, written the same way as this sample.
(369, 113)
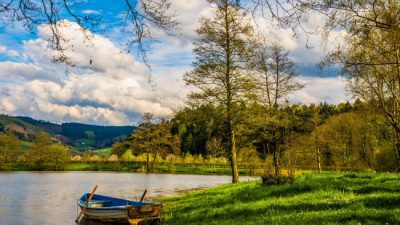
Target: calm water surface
(41, 198)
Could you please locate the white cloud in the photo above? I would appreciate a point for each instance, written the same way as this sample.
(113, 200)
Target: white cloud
(8, 52)
(12, 70)
(321, 89)
(113, 89)
(90, 11)
(108, 86)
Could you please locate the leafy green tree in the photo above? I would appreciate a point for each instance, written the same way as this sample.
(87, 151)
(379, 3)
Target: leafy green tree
(276, 80)
(371, 56)
(221, 57)
(249, 157)
(347, 142)
(196, 126)
(164, 142)
(59, 155)
(40, 149)
(9, 147)
(127, 156)
(153, 139)
(142, 137)
(119, 148)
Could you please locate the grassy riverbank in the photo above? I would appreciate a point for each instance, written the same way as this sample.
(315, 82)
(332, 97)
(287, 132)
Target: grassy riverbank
(327, 198)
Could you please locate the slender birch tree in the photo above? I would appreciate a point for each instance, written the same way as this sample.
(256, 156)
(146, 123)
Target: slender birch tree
(220, 75)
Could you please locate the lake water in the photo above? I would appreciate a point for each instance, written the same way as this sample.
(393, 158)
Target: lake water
(44, 198)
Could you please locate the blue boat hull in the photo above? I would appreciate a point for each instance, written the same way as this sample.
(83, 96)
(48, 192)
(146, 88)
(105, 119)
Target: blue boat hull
(107, 208)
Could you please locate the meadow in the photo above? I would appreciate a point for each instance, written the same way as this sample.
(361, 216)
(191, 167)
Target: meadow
(326, 198)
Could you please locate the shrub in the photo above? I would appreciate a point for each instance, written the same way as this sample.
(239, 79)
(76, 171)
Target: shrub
(268, 179)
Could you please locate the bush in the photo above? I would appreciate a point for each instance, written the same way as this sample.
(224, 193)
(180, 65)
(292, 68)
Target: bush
(268, 179)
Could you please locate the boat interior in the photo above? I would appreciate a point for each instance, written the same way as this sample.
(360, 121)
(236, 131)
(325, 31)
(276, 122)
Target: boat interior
(100, 201)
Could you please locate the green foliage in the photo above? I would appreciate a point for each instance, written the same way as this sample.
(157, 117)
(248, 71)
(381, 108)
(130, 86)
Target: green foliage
(197, 126)
(40, 151)
(104, 152)
(371, 57)
(326, 198)
(344, 145)
(220, 73)
(59, 155)
(10, 147)
(127, 156)
(155, 140)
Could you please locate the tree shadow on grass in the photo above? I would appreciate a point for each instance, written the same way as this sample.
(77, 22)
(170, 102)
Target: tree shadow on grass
(372, 189)
(382, 202)
(279, 214)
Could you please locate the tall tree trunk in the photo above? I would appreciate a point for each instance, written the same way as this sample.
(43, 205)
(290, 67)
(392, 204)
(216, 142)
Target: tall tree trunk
(318, 152)
(397, 148)
(153, 162)
(232, 152)
(276, 160)
(318, 159)
(264, 148)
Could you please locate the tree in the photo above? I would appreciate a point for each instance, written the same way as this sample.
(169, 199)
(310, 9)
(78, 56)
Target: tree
(164, 142)
(9, 147)
(277, 80)
(60, 155)
(215, 149)
(153, 139)
(127, 156)
(196, 126)
(347, 142)
(317, 144)
(249, 157)
(371, 58)
(221, 55)
(276, 71)
(40, 149)
(142, 136)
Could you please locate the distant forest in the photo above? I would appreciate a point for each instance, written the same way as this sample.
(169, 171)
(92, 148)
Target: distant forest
(347, 136)
(79, 136)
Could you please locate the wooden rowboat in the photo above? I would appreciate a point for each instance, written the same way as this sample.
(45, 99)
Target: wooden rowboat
(109, 209)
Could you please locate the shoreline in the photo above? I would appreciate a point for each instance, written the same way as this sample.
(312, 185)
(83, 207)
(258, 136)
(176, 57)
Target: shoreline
(130, 167)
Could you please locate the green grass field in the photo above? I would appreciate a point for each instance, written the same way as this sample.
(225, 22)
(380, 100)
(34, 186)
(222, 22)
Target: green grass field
(104, 152)
(327, 198)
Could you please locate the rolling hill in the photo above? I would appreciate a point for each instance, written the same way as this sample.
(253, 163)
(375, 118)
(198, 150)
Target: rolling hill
(77, 135)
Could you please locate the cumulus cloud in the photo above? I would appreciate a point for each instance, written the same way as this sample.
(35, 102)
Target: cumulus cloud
(321, 89)
(106, 85)
(8, 52)
(12, 70)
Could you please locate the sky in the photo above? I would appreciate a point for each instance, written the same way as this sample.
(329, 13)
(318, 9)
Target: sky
(115, 88)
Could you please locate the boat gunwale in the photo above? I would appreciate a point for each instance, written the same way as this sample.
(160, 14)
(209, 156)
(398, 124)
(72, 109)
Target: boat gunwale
(82, 202)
